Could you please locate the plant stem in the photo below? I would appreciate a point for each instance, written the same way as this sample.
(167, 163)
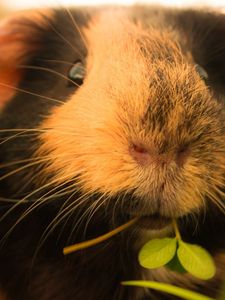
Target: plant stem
(176, 230)
(170, 289)
(89, 243)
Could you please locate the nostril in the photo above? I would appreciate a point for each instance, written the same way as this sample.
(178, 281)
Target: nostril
(182, 155)
(139, 149)
(140, 153)
(145, 155)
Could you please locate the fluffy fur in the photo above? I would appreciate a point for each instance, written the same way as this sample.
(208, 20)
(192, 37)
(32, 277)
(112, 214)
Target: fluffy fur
(70, 164)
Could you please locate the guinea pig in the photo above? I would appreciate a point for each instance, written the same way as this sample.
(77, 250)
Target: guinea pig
(109, 114)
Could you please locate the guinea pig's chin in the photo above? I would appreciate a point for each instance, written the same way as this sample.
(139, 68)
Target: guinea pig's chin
(153, 222)
(149, 221)
(156, 216)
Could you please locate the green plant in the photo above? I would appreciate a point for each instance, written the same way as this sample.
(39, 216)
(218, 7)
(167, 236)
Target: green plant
(168, 288)
(172, 253)
(178, 256)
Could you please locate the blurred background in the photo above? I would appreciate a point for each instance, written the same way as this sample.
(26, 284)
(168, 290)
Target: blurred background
(20, 4)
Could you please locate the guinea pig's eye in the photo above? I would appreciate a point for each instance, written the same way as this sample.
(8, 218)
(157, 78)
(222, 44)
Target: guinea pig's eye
(76, 74)
(202, 72)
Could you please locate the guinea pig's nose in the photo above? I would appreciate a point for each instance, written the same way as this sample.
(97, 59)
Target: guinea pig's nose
(140, 154)
(146, 156)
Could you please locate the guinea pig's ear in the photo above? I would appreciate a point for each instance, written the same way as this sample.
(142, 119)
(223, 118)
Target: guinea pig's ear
(205, 32)
(19, 40)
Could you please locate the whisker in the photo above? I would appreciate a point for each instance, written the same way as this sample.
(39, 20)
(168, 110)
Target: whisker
(36, 204)
(56, 61)
(93, 209)
(57, 193)
(33, 131)
(58, 219)
(22, 135)
(76, 27)
(24, 129)
(19, 134)
(23, 168)
(216, 200)
(74, 205)
(64, 180)
(34, 161)
(8, 200)
(31, 93)
(50, 71)
(29, 195)
(118, 201)
(40, 201)
(24, 161)
(73, 186)
(76, 50)
(89, 210)
(62, 209)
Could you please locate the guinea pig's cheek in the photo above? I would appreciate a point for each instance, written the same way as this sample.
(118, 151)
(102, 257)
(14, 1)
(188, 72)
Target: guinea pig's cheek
(82, 144)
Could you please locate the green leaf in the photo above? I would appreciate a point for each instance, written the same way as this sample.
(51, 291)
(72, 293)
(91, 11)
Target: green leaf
(175, 265)
(170, 289)
(157, 252)
(196, 260)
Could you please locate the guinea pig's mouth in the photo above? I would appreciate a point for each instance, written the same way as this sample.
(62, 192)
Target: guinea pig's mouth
(152, 222)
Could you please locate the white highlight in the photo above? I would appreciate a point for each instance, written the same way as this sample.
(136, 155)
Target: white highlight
(19, 4)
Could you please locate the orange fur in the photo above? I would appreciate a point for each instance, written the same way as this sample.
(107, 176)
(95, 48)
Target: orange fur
(14, 47)
(135, 76)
